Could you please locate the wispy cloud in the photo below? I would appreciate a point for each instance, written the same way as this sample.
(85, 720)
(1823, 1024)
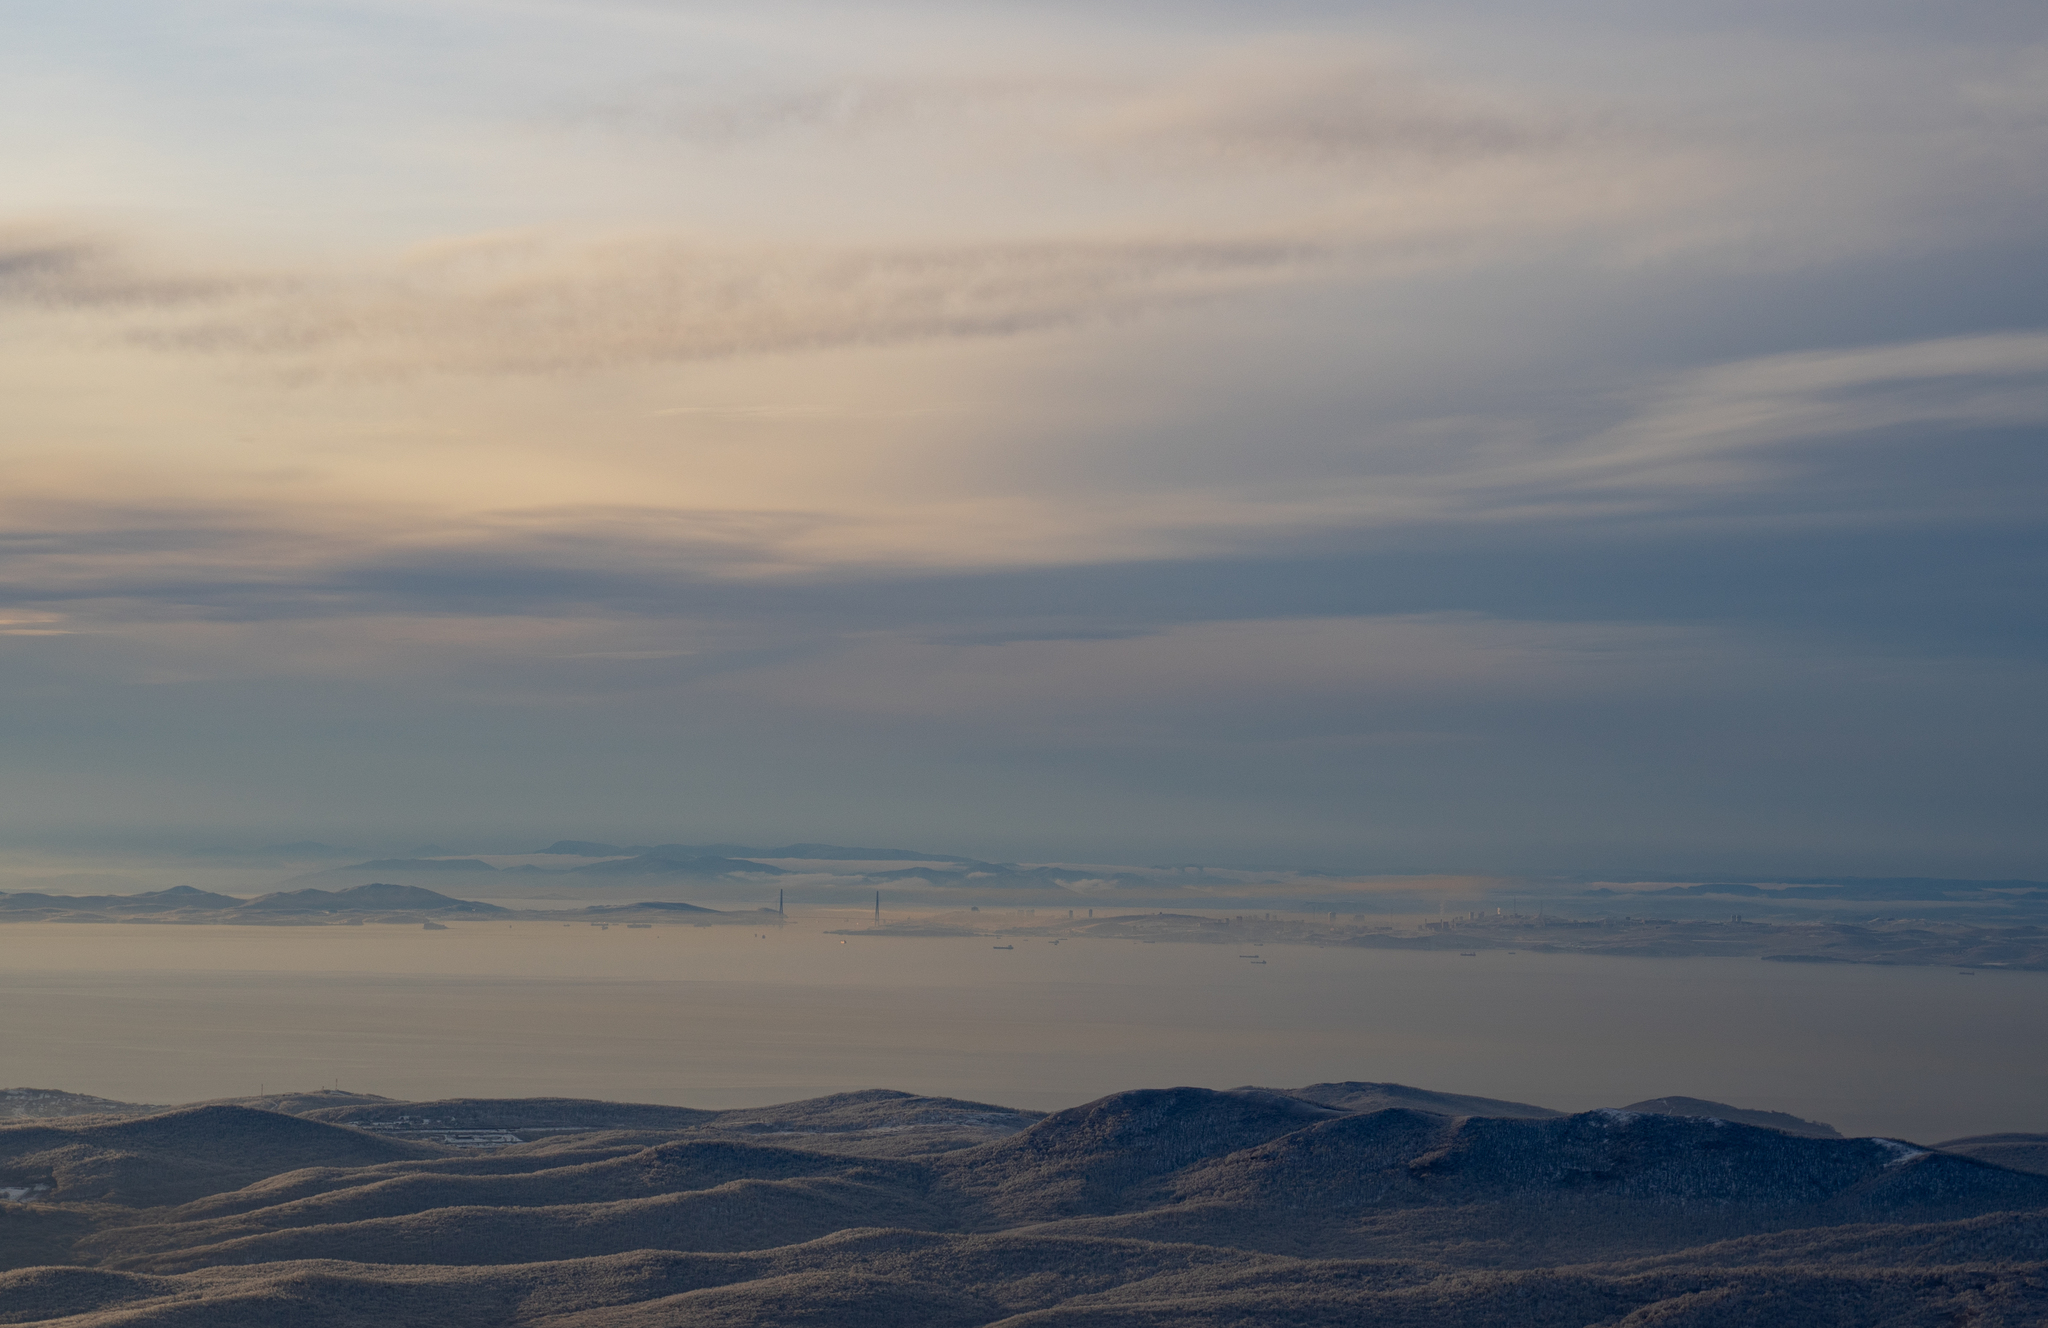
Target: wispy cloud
(526, 304)
(1277, 103)
(1135, 188)
(536, 303)
(63, 265)
(1295, 107)
(843, 107)
(1716, 429)
(559, 302)
(230, 562)
(1704, 442)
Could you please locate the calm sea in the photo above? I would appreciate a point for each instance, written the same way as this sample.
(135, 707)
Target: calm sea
(718, 1017)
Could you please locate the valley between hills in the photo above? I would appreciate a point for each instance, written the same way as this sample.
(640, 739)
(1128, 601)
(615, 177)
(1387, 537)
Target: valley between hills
(1340, 1203)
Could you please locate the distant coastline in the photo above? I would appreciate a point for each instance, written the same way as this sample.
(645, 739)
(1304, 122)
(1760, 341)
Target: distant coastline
(1887, 941)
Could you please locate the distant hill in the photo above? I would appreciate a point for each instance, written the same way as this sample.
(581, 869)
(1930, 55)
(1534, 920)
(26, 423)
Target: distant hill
(2021, 1152)
(584, 848)
(18, 1104)
(374, 897)
(1052, 903)
(375, 901)
(1357, 1097)
(532, 1114)
(648, 906)
(584, 861)
(681, 861)
(1902, 889)
(1091, 1159)
(179, 1155)
(178, 898)
(658, 864)
(421, 864)
(1770, 1120)
(1157, 1208)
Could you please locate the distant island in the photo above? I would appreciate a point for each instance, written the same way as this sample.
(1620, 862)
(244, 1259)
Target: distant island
(1332, 1204)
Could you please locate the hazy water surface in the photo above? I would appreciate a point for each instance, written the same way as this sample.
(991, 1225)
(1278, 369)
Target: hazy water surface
(722, 1017)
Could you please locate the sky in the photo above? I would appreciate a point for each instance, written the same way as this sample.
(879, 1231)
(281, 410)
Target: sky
(1590, 438)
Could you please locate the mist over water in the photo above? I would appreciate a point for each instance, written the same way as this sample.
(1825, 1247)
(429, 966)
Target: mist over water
(723, 1017)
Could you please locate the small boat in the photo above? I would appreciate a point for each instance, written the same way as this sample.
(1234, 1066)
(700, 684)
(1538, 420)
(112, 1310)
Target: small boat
(1468, 954)
(1242, 956)
(1002, 947)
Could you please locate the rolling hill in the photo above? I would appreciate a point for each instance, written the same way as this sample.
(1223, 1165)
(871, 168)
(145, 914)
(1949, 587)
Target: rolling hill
(1331, 1204)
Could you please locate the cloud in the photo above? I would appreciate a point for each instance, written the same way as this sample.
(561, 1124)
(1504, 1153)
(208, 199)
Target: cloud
(32, 624)
(1276, 103)
(558, 302)
(1282, 107)
(56, 265)
(525, 304)
(547, 303)
(1704, 443)
(1767, 439)
(1393, 168)
(1030, 198)
(171, 562)
(843, 107)
(1274, 680)
(1717, 428)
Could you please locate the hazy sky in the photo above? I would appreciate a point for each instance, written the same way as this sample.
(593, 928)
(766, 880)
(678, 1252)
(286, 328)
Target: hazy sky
(1592, 436)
